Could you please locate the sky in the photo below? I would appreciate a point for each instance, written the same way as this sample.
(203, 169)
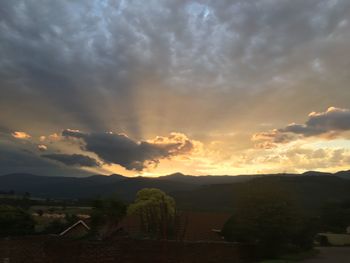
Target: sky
(156, 87)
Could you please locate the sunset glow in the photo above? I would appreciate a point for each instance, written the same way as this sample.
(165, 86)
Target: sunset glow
(157, 87)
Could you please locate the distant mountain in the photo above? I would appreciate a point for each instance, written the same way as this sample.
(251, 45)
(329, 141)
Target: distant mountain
(343, 174)
(316, 173)
(88, 187)
(190, 190)
(311, 191)
(207, 179)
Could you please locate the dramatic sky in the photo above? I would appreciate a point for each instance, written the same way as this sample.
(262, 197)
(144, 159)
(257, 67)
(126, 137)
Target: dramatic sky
(156, 87)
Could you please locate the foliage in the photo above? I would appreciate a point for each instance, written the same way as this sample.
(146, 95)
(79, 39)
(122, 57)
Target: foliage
(157, 212)
(106, 214)
(310, 192)
(15, 221)
(267, 215)
(335, 216)
(55, 227)
(40, 212)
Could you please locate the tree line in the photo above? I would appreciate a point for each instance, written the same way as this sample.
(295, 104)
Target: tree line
(265, 214)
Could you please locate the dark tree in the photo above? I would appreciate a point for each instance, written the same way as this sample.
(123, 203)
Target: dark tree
(106, 215)
(15, 221)
(268, 216)
(335, 216)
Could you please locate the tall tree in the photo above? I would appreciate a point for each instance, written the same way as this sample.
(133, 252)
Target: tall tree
(157, 212)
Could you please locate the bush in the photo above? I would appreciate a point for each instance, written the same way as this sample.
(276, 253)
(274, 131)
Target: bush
(106, 215)
(15, 221)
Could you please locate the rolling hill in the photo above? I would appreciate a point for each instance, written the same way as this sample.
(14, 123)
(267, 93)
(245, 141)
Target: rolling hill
(195, 192)
(310, 191)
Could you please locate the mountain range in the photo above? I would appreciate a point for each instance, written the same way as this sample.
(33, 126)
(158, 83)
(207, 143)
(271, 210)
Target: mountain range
(191, 191)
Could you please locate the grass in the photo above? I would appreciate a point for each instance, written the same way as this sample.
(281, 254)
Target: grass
(275, 261)
(290, 258)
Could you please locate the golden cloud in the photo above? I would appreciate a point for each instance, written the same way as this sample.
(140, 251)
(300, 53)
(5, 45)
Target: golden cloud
(20, 135)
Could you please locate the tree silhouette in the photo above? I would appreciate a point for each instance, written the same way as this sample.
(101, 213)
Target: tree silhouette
(157, 213)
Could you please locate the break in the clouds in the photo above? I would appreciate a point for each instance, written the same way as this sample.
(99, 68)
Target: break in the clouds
(73, 159)
(132, 155)
(330, 123)
(147, 68)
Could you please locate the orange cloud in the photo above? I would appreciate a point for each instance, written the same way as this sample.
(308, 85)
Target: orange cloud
(20, 135)
(180, 142)
(54, 137)
(270, 139)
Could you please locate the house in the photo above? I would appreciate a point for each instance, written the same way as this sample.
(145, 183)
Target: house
(203, 226)
(332, 239)
(192, 226)
(77, 230)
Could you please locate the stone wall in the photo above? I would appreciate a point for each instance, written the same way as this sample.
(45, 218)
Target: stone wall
(50, 249)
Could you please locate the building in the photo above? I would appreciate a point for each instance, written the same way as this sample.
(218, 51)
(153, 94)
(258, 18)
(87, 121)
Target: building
(191, 226)
(77, 230)
(332, 239)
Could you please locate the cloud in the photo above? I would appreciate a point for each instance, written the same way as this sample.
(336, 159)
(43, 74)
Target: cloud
(20, 135)
(327, 124)
(331, 121)
(296, 158)
(269, 139)
(95, 52)
(14, 159)
(73, 159)
(133, 155)
(151, 67)
(42, 147)
(54, 137)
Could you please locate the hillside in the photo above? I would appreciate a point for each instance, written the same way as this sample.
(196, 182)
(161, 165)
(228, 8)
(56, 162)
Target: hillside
(200, 192)
(311, 192)
(89, 187)
(207, 179)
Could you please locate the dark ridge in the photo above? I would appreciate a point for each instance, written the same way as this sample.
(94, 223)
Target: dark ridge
(214, 189)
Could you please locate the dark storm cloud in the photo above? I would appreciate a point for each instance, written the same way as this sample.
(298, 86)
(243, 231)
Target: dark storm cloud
(73, 159)
(17, 159)
(327, 124)
(133, 155)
